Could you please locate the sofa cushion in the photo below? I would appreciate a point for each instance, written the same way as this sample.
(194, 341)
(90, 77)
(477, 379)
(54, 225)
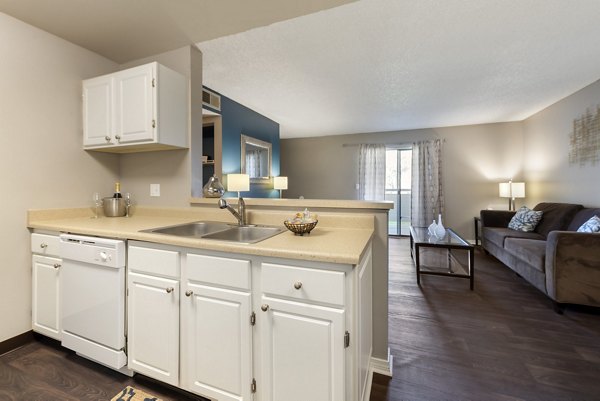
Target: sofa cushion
(531, 251)
(581, 217)
(525, 219)
(590, 226)
(557, 216)
(497, 235)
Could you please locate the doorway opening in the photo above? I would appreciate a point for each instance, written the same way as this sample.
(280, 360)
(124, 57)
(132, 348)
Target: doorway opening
(398, 162)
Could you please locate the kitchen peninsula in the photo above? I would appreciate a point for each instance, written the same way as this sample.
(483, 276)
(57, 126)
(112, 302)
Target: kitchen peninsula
(314, 292)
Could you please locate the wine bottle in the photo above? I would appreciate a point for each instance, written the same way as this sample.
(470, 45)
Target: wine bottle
(117, 193)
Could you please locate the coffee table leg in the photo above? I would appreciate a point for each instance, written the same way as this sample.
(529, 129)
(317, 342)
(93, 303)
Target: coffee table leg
(472, 267)
(417, 261)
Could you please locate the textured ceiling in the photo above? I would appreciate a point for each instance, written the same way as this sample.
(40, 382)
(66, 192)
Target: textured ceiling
(382, 65)
(125, 30)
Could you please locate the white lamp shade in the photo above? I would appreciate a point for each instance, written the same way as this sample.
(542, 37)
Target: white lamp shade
(238, 182)
(505, 189)
(280, 183)
(512, 189)
(518, 189)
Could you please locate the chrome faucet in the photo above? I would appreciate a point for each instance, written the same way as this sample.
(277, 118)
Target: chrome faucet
(239, 214)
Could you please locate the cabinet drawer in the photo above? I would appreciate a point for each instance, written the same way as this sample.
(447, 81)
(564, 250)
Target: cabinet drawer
(316, 285)
(225, 272)
(154, 261)
(45, 244)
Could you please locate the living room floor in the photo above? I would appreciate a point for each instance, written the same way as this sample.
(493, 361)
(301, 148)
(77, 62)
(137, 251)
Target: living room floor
(502, 341)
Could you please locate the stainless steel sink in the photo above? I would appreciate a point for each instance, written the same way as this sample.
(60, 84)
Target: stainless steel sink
(196, 229)
(245, 234)
(249, 234)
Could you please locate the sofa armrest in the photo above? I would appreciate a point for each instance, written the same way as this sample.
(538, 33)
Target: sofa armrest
(496, 218)
(573, 267)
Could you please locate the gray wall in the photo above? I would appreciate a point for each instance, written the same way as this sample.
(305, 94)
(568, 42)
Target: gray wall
(475, 159)
(548, 173)
(42, 162)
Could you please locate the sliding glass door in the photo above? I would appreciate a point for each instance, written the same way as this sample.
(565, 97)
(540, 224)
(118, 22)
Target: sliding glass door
(397, 188)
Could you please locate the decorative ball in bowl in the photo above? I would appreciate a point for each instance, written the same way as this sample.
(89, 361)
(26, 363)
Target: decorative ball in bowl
(300, 228)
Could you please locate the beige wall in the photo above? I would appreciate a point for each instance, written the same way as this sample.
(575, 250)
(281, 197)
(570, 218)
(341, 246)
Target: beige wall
(42, 164)
(170, 169)
(475, 159)
(549, 175)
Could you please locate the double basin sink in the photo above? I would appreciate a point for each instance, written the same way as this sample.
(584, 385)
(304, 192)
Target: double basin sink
(248, 234)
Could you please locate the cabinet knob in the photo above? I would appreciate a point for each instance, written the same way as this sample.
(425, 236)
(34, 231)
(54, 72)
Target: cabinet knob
(170, 290)
(56, 265)
(298, 285)
(189, 293)
(43, 246)
(264, 307)
(118, 137)
(107, 138)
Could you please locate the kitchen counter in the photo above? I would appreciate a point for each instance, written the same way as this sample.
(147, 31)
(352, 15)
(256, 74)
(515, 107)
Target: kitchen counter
(338, 238)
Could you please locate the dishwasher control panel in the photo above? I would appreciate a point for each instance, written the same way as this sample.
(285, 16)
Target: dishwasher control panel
(95, 250)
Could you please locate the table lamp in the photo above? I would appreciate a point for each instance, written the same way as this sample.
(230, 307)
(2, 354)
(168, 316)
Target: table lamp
(280, 183)
(238, 183)
(512, 190)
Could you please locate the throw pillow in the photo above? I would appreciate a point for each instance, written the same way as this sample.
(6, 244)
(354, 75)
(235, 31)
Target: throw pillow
(590, 226)
(525, 219)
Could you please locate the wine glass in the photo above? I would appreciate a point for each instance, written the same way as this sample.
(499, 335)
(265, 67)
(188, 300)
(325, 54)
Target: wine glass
(97, 204)
(128, 202)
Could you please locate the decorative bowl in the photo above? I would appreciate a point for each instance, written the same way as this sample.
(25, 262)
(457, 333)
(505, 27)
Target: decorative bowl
(300, 228)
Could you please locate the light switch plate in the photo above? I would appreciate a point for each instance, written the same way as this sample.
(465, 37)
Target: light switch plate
(154, 189)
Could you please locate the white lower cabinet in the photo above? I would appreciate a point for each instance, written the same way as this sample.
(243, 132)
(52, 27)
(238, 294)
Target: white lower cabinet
(153, 326)
(216, 326)
(45, 280)
(303, 352)
(153, 312)
(45, 301)
(250, 328)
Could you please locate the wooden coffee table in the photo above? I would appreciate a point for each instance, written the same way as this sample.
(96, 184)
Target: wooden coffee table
(420, 238)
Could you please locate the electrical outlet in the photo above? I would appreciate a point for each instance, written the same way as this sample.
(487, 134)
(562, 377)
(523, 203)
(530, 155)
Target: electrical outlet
(154, 189)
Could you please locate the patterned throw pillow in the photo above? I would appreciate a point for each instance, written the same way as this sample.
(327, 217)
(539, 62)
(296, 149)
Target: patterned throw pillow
(525, 219)
(590, 226)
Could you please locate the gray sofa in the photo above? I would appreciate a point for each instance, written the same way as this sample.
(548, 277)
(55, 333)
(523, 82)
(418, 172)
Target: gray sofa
(557, 260)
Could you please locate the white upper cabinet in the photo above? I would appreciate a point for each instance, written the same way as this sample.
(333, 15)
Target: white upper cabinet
(139, 109)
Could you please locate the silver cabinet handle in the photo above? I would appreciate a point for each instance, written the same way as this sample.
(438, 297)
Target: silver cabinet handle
(107, 138)
(170, 290)
(264, 307)
(189, 293)
(43, 246)
(118, 137)
(56, 265)
(298, 285)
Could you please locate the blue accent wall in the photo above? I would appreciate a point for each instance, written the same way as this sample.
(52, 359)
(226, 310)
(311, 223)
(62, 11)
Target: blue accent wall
(238, 119)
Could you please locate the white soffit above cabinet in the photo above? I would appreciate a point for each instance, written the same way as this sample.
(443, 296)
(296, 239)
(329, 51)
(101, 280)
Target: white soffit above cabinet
(125, 30)
(383, 65)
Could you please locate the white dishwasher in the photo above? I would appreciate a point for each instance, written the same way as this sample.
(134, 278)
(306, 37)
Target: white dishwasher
(92, 290)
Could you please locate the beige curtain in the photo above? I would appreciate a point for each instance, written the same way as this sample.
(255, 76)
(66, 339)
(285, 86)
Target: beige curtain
(371, 172)
(427, 191)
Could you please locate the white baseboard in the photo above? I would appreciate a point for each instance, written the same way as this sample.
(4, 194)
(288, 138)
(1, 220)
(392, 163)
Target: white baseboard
(383, 366)
(377, 365)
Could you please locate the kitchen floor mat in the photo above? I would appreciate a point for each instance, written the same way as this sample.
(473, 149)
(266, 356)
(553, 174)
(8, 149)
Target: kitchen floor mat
(133, 394)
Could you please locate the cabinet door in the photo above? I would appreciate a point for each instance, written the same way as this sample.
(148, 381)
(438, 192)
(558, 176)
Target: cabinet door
(217, 336)
(98, 112)
(45, 297)
(302, 350)
(134, 102)
(153, 327)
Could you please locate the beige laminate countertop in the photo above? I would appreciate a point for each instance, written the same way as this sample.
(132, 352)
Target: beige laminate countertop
(340, 239)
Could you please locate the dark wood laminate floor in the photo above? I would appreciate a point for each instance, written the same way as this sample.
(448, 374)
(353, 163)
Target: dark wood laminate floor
(44, 371)
(501, 341)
